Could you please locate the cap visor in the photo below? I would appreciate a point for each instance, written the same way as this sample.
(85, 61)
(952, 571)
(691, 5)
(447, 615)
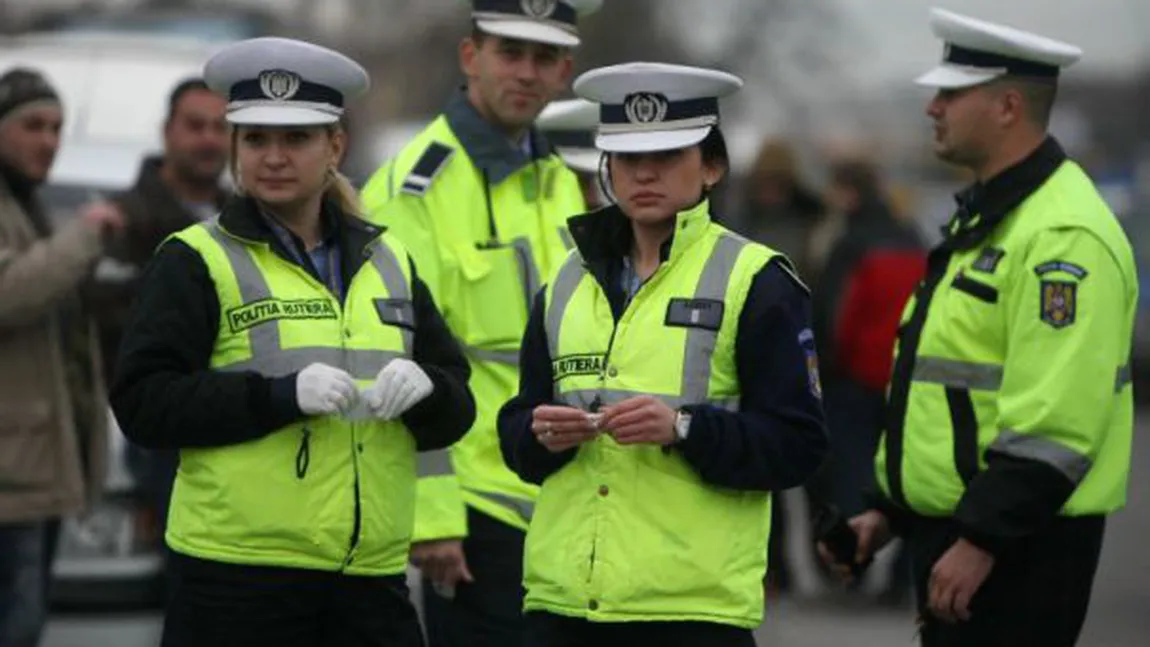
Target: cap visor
(584, 160)
(531, 31)
(651, 142)
(280, 116)
(947, 77)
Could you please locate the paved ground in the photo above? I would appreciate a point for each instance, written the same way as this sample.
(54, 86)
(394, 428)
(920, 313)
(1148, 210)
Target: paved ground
(1119, 616)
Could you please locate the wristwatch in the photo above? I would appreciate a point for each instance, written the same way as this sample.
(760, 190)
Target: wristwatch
(682, 425)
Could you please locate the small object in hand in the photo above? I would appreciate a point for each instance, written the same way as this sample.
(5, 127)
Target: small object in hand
(595, 419)
(831, 528)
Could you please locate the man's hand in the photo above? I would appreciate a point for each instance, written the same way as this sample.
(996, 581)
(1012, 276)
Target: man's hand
(955, 578)
(103, 216)
(441, 561)
(640, 420)
(873, 531)
(561, 428)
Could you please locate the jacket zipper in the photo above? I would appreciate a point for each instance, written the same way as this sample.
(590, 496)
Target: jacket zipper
(598, 402)
(357, 519)
(357, 522)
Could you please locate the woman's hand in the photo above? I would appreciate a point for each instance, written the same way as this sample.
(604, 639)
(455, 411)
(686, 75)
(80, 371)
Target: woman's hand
(640, 420)
(562, 428)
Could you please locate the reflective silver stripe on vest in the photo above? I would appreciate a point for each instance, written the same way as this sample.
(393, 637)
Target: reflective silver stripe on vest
(360, 364)
(525, 509)
(955, 373)
(1125, 377)
(269, 358)
(984, 377)
(565, 236)
(528, 272)
(433, 463)
(700, 344)
(586, 399)
(570, 275)
(394, 280)
(1073, 465)
(508, 357)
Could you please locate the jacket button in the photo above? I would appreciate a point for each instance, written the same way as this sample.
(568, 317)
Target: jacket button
(612, 372)
(360, 447)
(604, 490)
(347, 334)
(593, 605)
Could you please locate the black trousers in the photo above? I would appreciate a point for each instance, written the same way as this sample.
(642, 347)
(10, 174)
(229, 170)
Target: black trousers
(222, 605)
(549, 630)
(489, 611)
(1037, 593)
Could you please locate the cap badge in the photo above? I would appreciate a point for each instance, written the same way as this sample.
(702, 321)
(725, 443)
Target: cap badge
(645, 108)
(279, 85)
(539, 9)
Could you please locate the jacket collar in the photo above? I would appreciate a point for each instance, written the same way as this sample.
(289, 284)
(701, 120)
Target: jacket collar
(152, 187)
(487, 147)
(605, 235)
(983, 206)
(241, 218)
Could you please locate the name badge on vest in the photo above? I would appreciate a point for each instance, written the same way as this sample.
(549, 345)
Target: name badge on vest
(396, 312)
(695, 313)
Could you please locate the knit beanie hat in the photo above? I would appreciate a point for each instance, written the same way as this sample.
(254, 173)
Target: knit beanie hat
(22, 86)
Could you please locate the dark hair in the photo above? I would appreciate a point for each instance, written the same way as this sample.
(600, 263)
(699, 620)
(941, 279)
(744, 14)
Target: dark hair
(1038, 94)
(183, 88)
(714, 149)
(477, 34)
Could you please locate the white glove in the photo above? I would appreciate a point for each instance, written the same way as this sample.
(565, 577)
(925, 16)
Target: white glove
(398, 387)
(325, 390)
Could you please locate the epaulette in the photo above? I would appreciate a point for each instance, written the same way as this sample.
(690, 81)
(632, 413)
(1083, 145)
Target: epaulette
(433, 160)
(785, 265)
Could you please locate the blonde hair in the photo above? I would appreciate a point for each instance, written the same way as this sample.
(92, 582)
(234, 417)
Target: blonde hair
(337, 188)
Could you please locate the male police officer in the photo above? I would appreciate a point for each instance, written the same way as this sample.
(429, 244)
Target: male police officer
(570, 126)
(481, 201)
(1010, 408)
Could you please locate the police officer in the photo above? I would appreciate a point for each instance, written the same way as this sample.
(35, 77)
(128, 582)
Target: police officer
(1010, 409)
(570, 126)
(291, 352)
(668, 385)
(481, 200)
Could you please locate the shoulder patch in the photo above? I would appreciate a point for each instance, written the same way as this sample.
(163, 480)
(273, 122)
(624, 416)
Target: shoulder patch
(1077, 271)
(807, 343)
(1059, 303)
(429, 165)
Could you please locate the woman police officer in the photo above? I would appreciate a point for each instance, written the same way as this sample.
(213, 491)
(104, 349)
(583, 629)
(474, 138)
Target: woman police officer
(668, 384)
(291, 353)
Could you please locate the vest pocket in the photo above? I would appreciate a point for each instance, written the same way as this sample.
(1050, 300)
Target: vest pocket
(964, 429)
(396, 312)
(495, 298)
(976, 289)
